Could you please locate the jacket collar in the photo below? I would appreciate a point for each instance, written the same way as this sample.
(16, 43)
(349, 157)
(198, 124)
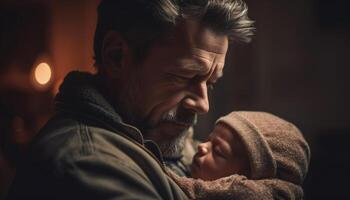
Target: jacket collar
(79, 95)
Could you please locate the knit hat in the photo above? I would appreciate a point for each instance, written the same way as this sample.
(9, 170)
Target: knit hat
(276, 148)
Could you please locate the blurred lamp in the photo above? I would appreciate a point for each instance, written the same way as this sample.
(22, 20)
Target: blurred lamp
(42, 73)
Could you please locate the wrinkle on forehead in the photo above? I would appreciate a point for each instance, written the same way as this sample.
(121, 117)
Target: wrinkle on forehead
(202, 62)
(194, 47)
(205, 61)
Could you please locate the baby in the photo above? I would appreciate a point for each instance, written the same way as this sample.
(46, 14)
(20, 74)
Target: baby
(268, 151)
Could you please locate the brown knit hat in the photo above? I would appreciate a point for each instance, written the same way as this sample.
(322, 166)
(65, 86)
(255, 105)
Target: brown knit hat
(276, 148)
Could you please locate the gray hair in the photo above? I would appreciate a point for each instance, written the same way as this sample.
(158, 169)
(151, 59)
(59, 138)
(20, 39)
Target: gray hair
(229, 17)
(142, 21)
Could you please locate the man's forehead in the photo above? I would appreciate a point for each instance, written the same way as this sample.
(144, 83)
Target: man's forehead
(203, 62)
(192, 32)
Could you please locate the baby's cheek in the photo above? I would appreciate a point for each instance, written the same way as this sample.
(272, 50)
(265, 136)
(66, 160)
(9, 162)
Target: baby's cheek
(212, 168)
(222, 169)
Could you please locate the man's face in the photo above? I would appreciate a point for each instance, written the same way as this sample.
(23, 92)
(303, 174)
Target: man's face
(223, 154)
(168, 89)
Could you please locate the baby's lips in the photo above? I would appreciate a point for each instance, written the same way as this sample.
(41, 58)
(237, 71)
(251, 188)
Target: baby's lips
(195, 160)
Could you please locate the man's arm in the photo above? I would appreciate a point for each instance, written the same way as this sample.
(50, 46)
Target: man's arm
(104, 177)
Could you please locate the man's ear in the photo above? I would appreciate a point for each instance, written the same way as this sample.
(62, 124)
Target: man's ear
(115, 53)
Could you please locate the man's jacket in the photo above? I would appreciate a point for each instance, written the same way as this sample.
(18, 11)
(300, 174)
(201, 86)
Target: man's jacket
(86, 152)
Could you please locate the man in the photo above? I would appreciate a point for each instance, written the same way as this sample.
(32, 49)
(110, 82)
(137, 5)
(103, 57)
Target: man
(156, 60)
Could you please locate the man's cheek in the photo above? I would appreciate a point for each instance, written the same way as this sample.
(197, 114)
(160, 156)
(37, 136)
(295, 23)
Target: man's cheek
(165, 102)
(163, 111)
(157, 114)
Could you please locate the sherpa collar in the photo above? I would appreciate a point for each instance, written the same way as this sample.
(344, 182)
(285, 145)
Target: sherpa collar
(79, 95)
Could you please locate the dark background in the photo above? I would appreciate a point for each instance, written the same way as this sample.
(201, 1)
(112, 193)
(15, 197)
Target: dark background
(297, 67)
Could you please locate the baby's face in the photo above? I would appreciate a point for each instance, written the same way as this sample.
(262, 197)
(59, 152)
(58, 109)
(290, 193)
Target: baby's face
(222, 155)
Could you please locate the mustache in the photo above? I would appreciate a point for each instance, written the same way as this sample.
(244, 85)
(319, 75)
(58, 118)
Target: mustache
(181, 116)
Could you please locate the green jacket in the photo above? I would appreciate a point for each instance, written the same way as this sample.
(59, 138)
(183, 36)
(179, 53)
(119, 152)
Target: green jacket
(86, 152)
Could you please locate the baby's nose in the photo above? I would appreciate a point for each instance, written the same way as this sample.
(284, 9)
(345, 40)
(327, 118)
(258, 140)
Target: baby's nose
(203, 149)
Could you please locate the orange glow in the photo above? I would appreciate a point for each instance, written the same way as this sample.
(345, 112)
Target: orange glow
(42, 73)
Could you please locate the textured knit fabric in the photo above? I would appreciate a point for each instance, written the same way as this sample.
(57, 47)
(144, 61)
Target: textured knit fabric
(276, 148)
(236, 187)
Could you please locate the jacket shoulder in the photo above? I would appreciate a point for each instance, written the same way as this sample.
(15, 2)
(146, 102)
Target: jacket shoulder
(64, 140)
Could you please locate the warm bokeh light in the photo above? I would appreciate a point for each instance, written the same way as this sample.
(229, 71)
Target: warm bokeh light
(42, 73)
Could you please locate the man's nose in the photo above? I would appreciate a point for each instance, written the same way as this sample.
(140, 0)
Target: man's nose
(198, 99)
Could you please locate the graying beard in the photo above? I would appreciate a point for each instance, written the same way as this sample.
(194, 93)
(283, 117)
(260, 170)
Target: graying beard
(173, 148)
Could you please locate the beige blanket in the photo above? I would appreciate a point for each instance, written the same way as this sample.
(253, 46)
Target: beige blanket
(238, 187)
